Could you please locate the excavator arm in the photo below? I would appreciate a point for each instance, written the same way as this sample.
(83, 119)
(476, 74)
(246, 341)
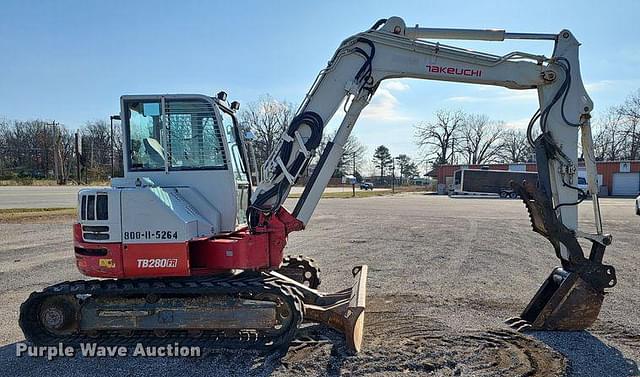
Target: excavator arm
(572, 295)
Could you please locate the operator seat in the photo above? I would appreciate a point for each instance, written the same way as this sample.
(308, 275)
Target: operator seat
(154, 151)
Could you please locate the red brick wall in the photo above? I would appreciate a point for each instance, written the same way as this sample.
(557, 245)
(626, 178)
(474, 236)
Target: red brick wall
(607, 169)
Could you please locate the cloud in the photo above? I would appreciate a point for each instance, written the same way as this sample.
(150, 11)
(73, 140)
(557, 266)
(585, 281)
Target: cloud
(517, 124)
(384, 105)
(395, 85)
(497, 95)
(494, 94)
(604, 85)
(597, 86)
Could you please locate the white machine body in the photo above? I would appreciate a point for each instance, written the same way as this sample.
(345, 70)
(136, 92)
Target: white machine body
(184, 176)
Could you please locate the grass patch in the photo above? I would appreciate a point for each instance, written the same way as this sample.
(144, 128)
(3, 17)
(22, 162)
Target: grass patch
(47, 182)
(27, 182)
(348, 194)
(34, 214)
(384, 191)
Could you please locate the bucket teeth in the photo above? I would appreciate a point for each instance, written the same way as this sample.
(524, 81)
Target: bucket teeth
(565, 301)
(518, 324)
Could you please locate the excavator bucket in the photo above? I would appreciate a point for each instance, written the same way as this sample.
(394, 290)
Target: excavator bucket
(571, 297)
(565, 301)
(342, 311)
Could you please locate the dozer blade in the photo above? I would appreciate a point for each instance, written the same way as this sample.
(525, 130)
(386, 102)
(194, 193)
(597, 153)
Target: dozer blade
(342, 311)
(565, 301)
(353, 323)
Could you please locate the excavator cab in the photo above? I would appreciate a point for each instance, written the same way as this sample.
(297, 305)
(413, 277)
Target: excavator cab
(185, 179)
(188, 140)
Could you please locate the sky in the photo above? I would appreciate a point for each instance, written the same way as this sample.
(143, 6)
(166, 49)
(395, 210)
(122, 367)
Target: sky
(70, 61)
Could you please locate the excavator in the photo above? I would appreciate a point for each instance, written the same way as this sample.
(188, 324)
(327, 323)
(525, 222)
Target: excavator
(188, 247)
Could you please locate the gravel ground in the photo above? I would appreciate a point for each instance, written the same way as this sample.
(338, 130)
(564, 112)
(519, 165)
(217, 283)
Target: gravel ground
(444, 273)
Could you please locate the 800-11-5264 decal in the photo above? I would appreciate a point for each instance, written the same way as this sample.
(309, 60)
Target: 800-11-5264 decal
(151, 235)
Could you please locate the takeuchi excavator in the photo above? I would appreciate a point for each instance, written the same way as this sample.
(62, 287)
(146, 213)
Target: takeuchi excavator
(190, 249)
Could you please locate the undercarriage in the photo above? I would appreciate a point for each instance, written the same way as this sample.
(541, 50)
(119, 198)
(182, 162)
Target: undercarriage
(257, 310)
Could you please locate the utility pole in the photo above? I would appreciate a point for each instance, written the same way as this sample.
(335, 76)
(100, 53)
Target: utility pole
(393, 175)
(353, 183)
(111, 119)
(78, 153)
(56, 163)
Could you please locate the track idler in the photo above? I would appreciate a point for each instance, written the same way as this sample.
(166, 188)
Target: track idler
(301, 269)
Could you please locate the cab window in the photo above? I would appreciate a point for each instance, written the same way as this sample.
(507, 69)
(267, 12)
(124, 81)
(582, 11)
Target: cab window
(186, 136)
(237, 162)
(145, 148)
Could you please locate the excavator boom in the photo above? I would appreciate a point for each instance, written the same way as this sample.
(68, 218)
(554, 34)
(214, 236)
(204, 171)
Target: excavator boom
(572, 295)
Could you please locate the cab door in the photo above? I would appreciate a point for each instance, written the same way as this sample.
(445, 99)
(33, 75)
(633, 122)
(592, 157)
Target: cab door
(239, 168)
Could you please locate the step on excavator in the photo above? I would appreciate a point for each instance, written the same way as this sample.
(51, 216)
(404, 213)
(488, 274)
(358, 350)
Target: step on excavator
(188, 245)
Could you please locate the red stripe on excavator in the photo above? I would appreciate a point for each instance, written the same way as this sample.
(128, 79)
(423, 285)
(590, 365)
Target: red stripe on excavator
(243, 249)
(156, 259)
(101, 260)
(246, 250)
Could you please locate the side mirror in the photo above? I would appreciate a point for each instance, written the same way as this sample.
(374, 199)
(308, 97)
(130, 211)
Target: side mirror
(151, 109)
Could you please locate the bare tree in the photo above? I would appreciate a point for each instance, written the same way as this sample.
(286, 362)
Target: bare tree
(267, 119)
(609, 143)
(353, 156)
(617, 133)
(438, 138)
(28, 148)
(4, 158)
(630, 111)
(35, 149)
(515, 147)
(63, 154)
(481, 141)
(96, 148)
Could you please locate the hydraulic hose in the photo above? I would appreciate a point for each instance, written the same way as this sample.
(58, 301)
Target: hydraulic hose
(315, 124)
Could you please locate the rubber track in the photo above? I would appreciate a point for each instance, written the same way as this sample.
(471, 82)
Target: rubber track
(243, 284)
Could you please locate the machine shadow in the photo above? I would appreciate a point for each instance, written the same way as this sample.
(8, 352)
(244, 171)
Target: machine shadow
(214, 363)
(588, 355)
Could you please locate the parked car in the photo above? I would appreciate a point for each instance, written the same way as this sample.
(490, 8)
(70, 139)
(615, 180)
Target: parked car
(584, 185)
(638, 205)
(366, 186)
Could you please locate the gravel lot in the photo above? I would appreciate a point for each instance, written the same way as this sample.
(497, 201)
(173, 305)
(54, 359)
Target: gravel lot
(444, 273)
